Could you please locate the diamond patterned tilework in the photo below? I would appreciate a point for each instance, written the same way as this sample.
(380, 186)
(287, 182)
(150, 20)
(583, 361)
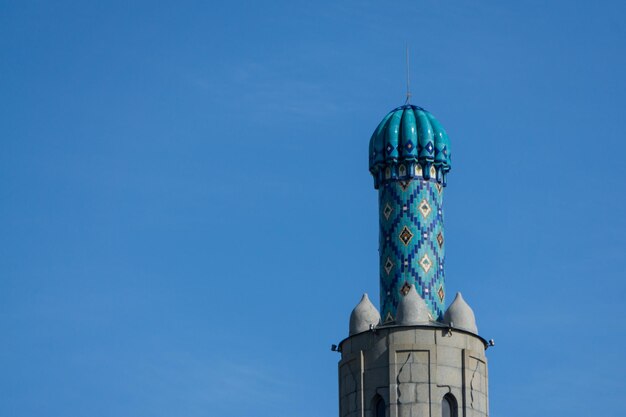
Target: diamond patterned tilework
(387, 211)
(411, 243)
(424, 208)
(440, 239)
(388, 318)
(404, 184)
(441, 293)
(425, 263)
(388, 266)
(406, 235)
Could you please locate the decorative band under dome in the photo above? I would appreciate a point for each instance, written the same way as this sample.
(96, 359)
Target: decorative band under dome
(405, 171)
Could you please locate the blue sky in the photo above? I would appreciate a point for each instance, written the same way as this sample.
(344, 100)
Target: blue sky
(187, 218)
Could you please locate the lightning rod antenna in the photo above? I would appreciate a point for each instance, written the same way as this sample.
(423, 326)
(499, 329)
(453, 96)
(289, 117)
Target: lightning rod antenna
(408, 83)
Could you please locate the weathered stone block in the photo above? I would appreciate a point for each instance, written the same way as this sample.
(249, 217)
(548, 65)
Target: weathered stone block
(346, 347)
(407, 393)
(425, 336)
(420, 371)
(423, 393)
(375, 360)
(420, 409)
(453, 339)
(404, 410)
(448, 375)
(352, 402)
(402, 337)
(376, 377)
(449, 356)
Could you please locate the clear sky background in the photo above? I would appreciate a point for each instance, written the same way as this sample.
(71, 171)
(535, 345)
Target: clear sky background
(187, 217)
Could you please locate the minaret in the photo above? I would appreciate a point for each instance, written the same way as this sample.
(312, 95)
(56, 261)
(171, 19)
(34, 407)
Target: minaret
(414, 360)
(409, 158)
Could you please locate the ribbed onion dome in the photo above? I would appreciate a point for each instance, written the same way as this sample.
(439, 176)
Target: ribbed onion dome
(409, 142)
(460, 315)
(363, 316)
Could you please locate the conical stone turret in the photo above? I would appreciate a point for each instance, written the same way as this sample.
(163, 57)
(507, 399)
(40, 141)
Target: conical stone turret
(460, 315)
(412, 309)
(364, 316)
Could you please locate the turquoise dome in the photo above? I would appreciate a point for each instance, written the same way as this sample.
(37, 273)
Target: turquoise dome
(408, 143)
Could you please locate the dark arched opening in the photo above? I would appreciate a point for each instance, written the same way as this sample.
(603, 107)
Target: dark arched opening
(378, 406)
(449, 406)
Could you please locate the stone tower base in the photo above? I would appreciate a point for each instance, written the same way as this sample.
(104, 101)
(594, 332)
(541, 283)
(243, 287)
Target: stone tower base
(409, 370)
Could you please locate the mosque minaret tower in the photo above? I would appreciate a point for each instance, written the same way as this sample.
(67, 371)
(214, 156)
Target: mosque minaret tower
(409, 158)
(414, 358)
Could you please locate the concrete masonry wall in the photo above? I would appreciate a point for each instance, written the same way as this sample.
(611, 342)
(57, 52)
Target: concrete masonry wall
(412, 368)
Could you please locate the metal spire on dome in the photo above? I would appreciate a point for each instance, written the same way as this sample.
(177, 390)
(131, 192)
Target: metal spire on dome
(408, 84)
